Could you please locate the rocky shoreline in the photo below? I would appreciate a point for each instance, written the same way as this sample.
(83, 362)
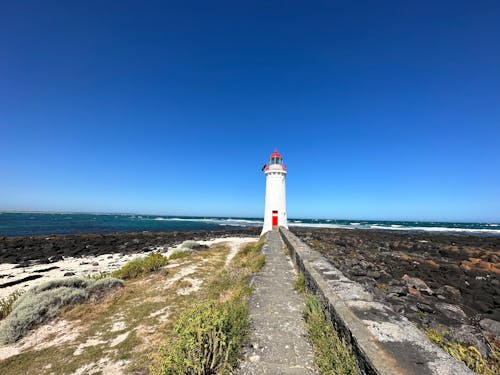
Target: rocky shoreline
(446, 282)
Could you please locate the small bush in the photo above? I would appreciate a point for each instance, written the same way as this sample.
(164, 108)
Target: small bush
(468, 355)
(131, 270)
(141, 266)
(300, 283)
(208, 340)
(189, 244)
(7, 303)
(154, 262)
(43, 302)
(332, 354)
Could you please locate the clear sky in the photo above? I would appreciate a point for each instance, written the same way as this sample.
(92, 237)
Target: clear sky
(382, 110)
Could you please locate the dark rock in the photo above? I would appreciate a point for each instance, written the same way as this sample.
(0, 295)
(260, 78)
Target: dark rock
(95, 264)
(453, 312)
(356, 271)
(398, 290)
(69, 274)
(490, 325)
(373, 274)
(450, 292)
(425, 307)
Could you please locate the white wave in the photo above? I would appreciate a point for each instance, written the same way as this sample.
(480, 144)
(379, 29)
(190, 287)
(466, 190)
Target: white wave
(231, 222)
(321, 225)
(439, 229)
(396, 226)
(355, 223)
(401, 228)
(243, 221)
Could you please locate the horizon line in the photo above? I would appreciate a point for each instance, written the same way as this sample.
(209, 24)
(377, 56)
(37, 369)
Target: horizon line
(237, 217)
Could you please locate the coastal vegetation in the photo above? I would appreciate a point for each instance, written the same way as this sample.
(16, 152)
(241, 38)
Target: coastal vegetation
(141, 266)
(208, 337)
(179, 255)
(123, 331)
(43, 302)
(332, 354)
(300, 283)
(469, 355)
(7, 303)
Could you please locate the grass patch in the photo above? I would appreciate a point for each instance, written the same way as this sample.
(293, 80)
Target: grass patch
(333, 356)
(470, 356)
(300, 283)
(317, 245)
(179, 255)
(43, 302)
(286, 250)
(208, 337)
(251, 257)
(141, 266)
(7, 303)
(99, 276)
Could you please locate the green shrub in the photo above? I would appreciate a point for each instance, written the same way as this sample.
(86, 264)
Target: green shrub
(300, 283)
(141, 266)
(131, 270)
(7, 303)
(43, 302)
(208, 339)
(154, 262)
(468, 355)
(333, 356)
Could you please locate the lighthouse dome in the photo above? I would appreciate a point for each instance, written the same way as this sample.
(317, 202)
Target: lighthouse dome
(275, 158)
(275, 154)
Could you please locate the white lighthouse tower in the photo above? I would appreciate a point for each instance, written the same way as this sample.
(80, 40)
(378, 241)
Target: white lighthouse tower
(275, 209)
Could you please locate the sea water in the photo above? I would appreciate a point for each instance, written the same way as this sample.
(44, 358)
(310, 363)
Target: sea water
(31, 224)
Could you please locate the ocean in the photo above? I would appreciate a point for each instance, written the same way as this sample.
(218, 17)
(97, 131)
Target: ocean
(32, 224)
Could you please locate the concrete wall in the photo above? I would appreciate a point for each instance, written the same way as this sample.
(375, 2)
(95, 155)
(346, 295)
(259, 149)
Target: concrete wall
(383, 341)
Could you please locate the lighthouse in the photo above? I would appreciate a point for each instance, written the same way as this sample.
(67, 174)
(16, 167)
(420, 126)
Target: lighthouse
(275, 206)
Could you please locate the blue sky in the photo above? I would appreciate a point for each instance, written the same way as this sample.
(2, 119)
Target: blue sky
(382, 110)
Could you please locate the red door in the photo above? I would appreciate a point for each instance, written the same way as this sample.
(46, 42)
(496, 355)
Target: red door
(275, 218)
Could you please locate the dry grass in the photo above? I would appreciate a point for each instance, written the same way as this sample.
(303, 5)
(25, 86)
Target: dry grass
(209, 336)
(146, 308)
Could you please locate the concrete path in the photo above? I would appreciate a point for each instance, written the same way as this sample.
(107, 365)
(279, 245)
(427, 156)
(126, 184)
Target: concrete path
(278, 343)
